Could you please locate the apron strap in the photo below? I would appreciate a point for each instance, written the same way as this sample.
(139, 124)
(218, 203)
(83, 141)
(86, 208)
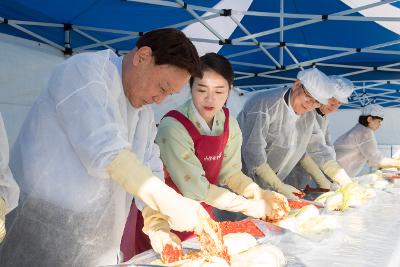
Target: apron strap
(189, 126)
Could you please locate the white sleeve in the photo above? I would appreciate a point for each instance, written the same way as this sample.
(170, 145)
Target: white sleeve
(254, 126)
(369, 149)
(317, 147)
(152, 155)
(9, 189)
(328, 138)
(89, 115)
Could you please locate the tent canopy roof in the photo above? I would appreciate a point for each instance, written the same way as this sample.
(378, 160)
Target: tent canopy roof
(270, 42)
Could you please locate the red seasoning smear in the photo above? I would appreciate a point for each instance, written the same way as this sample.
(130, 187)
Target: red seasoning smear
(171, 254)
(300, 195)
(297, 204)
(246, 226)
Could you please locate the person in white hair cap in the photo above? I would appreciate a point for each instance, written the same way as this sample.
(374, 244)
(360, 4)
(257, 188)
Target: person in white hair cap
(277, 126)
(358, 146)
(300, 176)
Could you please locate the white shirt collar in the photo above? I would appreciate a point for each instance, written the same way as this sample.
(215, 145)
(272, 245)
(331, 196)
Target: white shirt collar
(203, 123)
(117, 61)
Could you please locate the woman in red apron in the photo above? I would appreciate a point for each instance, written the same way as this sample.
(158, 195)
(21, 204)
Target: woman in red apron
(200, 146)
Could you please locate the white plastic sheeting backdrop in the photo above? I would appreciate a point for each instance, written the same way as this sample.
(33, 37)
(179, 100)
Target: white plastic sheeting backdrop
(24, 70)
(25, 67)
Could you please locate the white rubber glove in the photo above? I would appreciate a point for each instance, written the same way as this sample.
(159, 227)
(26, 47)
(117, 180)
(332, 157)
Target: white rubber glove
(313, 169)
(183, 214)
(224, 199)
(336, 173)
(243, 185)
(157, 228)
(2, 219)
(268, 175)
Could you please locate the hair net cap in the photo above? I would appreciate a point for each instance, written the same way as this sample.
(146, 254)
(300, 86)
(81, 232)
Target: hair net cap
(343, 88)
(373, 110)
(317, 84)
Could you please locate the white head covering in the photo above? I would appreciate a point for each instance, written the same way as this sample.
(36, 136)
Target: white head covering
(373, 110)
(317, 84)
(343, 88)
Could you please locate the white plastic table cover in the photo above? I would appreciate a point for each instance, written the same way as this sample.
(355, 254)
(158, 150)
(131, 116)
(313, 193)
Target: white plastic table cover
(366, 236)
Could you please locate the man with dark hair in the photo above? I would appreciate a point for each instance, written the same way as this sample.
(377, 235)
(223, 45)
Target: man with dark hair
(87, 146)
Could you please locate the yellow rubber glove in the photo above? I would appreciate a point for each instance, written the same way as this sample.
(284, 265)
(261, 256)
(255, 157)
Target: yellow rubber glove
(336, 173)
(312, 168)
(265, 172)
(352, 193)
(279, 204)
(243, 185)
(224, 199)
(389, 162)
(183, 214)
(2, 219)
(157, 228)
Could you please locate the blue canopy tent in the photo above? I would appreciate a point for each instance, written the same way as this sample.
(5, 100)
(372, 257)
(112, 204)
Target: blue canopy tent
(270, 42)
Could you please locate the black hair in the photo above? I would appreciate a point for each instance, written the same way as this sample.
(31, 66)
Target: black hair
(171, 46)
(364, 119)
(217, 63)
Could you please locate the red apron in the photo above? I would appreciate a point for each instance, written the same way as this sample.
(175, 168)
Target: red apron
(134, 241)
(208, 149)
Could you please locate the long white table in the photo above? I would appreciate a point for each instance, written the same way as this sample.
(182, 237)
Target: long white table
(366, 236)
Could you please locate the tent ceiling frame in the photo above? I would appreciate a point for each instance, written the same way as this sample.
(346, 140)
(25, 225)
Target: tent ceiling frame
(277, 77)
(315, 61)
(15, 25)
(361, 98)
(282, 28)
(252, 65)
(255, 42)
(335, 16)
(311, 21)
(200, 19)
(254, 50)
(252, 41)
(81, 31)
(363, 87)
(360, 94)
(190, 9)
(88, 36)
(345, 66)
(368, 70)
(332, 48)
(318, 61)
(385, 95)
(293, 57)
(281, 32)
(108, 42)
